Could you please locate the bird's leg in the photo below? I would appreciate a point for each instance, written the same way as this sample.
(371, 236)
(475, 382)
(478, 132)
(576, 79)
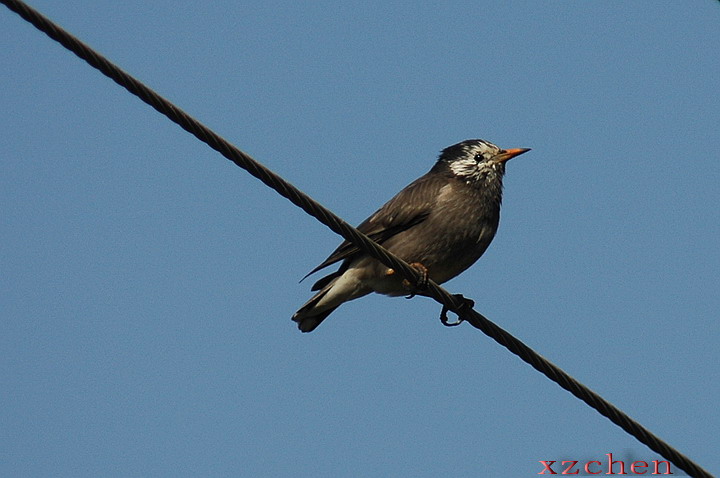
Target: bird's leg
(469, 303)
(421, 285)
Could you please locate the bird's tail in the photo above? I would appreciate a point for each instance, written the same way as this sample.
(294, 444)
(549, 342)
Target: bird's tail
(333, 290)
(309, 316)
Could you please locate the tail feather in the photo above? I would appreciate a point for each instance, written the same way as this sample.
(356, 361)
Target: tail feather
(335, 289)
(307, 316)
(308, 324)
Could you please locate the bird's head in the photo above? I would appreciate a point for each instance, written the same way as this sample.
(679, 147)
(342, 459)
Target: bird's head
(476, 161)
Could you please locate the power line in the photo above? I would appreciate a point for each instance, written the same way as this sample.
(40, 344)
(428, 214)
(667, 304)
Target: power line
(450, 302)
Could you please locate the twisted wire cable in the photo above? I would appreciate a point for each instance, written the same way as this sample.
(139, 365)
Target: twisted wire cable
(454, 303)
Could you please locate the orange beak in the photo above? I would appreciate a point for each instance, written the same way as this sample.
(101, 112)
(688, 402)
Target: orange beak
(506, 154)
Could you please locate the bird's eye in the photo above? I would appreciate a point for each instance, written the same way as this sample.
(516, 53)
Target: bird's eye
(479, 157)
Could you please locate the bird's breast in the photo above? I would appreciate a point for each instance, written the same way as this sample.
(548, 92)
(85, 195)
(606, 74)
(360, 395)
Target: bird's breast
(456, 233)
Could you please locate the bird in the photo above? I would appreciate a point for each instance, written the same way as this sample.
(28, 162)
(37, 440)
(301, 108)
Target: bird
(440, 224)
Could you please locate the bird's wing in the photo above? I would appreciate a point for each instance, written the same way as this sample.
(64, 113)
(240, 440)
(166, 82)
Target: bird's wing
(409, 207)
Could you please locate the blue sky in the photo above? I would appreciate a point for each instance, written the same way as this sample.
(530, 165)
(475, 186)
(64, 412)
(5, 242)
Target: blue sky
(147, 284)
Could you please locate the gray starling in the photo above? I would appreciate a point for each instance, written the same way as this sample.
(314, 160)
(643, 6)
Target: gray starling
(441, 224)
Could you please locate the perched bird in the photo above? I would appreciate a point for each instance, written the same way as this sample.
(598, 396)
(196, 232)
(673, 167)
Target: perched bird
(441, 223)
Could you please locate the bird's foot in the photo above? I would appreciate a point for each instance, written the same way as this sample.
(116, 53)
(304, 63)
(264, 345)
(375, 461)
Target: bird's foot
(466, 303)
(421, 284)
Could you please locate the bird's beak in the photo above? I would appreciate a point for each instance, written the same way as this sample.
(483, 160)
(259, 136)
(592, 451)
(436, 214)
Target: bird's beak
(506, 154)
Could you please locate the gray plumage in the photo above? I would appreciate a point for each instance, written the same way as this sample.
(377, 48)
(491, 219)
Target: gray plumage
(444, 220)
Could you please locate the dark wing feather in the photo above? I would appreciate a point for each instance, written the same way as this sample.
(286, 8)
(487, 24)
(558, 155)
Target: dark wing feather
(408, 208)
